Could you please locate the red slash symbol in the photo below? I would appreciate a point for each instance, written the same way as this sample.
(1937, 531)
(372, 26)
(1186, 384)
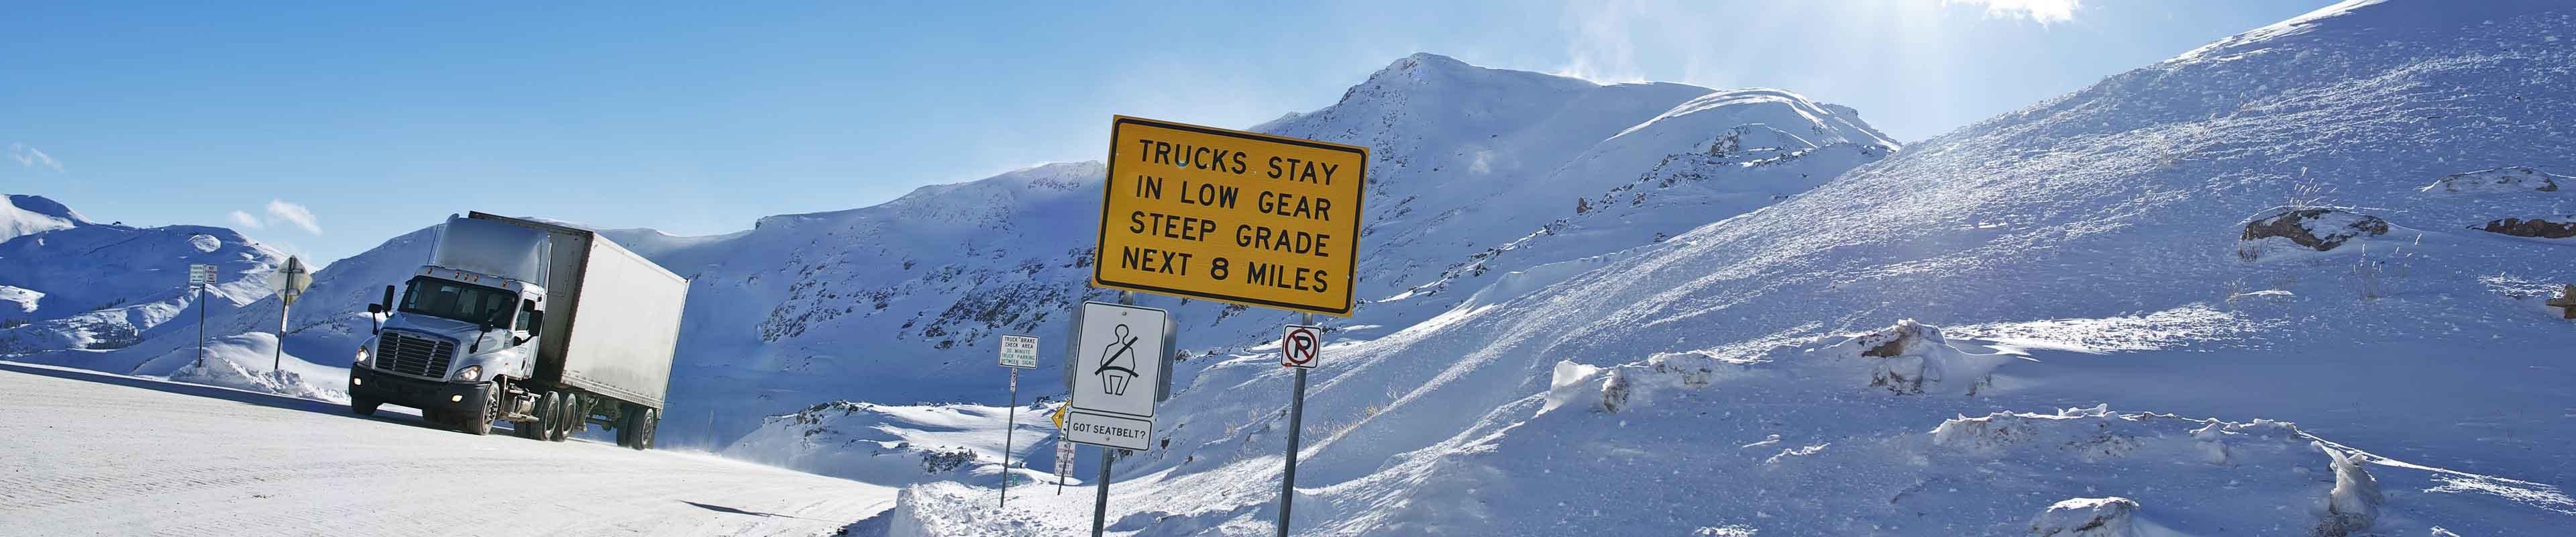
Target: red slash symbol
(1300, 346)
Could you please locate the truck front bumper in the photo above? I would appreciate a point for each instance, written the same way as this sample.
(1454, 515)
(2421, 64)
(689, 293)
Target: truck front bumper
(446, 397)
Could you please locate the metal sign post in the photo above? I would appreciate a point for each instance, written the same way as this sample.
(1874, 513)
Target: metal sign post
(291, 282)
(1294, 206)
(200, 276)
(1301, 347)
(1063, 458)
(1118, 369)
(1018, 352)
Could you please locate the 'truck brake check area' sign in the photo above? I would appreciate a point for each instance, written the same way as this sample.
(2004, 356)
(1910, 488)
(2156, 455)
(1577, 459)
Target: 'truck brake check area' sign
(1231, 216)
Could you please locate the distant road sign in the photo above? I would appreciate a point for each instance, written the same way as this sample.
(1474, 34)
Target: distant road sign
(1231, 216)
(201, 275)
(291, 280)
(1301, 346)
(1118, 368)
(1020, 352)
(1063, 460)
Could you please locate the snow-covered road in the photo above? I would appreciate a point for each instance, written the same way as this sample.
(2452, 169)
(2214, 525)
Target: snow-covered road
(84, 453)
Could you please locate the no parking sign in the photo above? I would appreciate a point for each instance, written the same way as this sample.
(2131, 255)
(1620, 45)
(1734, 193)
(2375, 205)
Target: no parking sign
(1301, 346)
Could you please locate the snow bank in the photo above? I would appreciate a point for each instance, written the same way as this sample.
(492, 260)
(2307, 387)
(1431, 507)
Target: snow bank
(1913, 358)
(898, 445)
(242, 361)
(2352, 506)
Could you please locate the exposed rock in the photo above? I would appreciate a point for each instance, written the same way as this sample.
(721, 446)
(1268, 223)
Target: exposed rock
(2352, 506)
(2496, 180)
(2322, 229)
(2546, 228)
(2087, 517)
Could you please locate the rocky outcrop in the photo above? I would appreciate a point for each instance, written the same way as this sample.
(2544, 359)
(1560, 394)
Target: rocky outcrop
(2559, 227)
(2496, 180)
(2087, 517)
(2322, 229)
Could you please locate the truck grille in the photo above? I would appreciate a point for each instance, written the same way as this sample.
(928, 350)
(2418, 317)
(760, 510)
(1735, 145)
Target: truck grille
(414, 354)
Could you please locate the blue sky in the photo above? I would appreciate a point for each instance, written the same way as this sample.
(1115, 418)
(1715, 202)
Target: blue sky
(328, 127)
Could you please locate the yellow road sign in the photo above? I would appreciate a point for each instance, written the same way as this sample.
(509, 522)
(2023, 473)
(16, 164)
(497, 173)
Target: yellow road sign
(1231, 216)
(1059, 416)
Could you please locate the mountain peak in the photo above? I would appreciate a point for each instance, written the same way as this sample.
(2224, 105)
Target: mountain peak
(47, 207)
(29, 215)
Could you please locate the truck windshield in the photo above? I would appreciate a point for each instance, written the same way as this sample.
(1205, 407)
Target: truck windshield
(453, 300)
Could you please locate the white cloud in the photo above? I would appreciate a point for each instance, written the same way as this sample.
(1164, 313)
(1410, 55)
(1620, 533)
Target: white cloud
(1604, 48)
(2039, 11)
(31, 157)
(245, 220)
(294, 214)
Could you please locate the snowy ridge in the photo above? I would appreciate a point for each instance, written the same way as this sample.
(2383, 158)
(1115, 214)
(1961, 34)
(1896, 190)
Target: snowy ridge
(28, 215)
(69, 283)
(2084, 227)
(898, 302)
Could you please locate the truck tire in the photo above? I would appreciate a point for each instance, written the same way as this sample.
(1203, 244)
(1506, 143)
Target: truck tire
(626, 427)
(363, 406)
(544, 427)
(652, 422)
(479, 423)
(567, 414)
(635, 427)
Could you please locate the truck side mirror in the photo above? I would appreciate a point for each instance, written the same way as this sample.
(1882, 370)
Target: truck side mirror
(378, 308)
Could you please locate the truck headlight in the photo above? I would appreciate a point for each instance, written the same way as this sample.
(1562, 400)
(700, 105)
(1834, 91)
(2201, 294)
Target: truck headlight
(362, 355)
(470, 373)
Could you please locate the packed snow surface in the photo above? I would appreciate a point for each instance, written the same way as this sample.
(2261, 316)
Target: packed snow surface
(97, 454)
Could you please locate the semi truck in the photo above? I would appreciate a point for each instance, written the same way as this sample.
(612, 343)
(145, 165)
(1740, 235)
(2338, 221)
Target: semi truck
(551, 328)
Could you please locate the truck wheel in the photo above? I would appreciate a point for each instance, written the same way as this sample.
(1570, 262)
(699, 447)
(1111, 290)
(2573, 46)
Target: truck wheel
(567, 414)
(625, 427)
(635, 427)
(363, 406)
(544, 427)
(479, 422)
(644, 435)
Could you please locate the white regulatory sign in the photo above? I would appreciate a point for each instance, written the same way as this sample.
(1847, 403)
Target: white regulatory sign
(201, 274)
(1063, 460)
(1301, 346)
(1118, 368)
(1019, 351)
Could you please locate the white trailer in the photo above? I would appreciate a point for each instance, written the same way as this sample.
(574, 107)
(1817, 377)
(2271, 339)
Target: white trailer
(551, 327)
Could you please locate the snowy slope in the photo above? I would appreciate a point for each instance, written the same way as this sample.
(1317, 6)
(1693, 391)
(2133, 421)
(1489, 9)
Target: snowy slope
(2085, 251)
(897, 303)
(904, 444)
(803, 306)
(28, 215)
(69, 283)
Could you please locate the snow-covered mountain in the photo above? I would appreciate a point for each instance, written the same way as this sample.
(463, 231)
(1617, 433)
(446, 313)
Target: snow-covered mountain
(69, 283)
(1480, 172)
(2086, 316)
